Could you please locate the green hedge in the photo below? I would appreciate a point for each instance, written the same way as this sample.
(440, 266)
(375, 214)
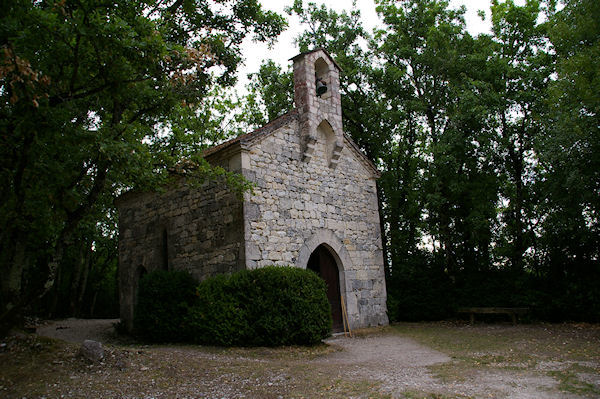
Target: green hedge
(164, 298)
(264, 307)
(269, 306)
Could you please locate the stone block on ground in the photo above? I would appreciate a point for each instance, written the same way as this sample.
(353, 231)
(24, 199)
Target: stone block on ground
(92, 350)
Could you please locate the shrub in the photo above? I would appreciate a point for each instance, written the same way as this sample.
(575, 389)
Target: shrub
(164, 298)
(264, 307)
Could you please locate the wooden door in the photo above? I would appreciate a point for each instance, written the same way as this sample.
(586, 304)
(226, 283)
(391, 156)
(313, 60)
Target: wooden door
(323, 262)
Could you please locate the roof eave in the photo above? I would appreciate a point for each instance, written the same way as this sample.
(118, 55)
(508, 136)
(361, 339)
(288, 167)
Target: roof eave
(315, 50)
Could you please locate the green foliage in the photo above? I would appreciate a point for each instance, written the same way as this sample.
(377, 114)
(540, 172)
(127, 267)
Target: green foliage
(569, 183)
(101, 292)
(420, 293)
(164, 298)
(86, 283)
(273, 84)
(495, 288)
(487, 145)
(264, 307)
(96, 99)
(269, 306)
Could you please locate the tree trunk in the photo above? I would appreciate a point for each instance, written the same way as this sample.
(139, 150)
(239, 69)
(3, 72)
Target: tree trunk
(11, 280)
(52, 313)
(93, 305)
(71, 223)
(76, 280)
(83, 284)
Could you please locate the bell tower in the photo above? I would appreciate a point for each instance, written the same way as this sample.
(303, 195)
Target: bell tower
(317, 98)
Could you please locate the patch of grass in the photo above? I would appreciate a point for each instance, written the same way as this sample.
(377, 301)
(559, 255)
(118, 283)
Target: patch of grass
(513, 349)
(455, 339)
(454, 371)
(371, 331)
(425, 395)
(516, 344)
(569, 381)
(283, 352)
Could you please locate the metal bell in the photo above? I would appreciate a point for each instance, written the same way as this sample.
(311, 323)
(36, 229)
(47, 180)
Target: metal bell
(321, 87)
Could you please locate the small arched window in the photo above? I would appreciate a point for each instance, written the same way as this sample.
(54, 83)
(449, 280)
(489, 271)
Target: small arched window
(141, 272)
(164, 250)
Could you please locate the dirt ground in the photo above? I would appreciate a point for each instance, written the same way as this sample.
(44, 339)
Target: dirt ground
(78, 330)
(424, 360)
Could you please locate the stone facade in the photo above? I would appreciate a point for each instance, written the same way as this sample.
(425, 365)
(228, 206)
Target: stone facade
(179, 229)
(313, 188)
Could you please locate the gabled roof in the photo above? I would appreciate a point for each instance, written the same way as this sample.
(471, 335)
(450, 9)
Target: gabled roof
(245, 140)
(314, 51)
(361, 155)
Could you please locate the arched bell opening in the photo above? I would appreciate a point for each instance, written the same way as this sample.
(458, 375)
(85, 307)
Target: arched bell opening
(322, 78)
(322, 262)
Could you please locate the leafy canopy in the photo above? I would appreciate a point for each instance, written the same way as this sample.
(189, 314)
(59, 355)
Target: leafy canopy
(98, 97)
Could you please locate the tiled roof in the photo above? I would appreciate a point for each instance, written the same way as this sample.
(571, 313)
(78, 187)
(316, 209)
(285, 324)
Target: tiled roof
(266, 129)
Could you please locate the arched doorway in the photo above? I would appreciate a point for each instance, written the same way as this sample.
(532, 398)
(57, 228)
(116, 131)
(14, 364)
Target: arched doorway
(323, 263)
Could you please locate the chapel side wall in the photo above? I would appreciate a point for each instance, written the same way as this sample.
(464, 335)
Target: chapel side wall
(294, 200)
(204, 235)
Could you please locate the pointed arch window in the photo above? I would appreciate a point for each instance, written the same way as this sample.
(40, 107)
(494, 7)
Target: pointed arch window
(164, 250)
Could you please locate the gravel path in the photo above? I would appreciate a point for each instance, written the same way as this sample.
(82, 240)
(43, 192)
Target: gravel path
(400, 365)
(380, 363)
(397, 362)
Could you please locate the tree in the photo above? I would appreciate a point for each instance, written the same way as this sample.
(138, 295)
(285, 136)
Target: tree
(568, 187)
(86, 88)
(571, 143)
(521, 69)
(433, 77)
(271, 93)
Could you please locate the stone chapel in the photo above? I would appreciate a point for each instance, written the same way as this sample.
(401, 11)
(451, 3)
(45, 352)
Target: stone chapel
(314, 205)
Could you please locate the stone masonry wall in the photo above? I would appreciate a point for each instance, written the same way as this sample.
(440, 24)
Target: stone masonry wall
(296, 202)
(204, 235)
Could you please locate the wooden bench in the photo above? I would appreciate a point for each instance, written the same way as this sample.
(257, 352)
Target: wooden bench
(513, 312)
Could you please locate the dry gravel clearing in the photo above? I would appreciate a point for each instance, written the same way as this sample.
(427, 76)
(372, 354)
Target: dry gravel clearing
(425, 360)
